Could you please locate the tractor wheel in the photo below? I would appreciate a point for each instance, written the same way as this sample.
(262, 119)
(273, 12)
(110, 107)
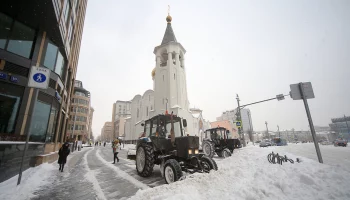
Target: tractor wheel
(144, 160)
(219, 153)
(208, 148)
(208, 163)
(172, 171)
(226, 153)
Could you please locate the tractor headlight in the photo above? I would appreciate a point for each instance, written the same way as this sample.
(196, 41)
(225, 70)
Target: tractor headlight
(189, 151)
(196, 151)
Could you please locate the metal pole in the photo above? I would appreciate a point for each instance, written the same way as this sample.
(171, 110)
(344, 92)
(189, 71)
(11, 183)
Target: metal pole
(311, 123)
(267, 129)
(240, 119)
(27, 139)
(279, 133)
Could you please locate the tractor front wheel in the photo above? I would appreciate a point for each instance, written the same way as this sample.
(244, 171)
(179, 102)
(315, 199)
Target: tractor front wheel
(145, 160)
(208, 164)
(226, 153)
(172, 171)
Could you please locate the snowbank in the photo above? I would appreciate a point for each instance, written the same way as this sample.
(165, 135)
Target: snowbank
(32, 179)
(248, 175)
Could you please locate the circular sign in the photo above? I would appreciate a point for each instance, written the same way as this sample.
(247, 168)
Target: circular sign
(39, 78)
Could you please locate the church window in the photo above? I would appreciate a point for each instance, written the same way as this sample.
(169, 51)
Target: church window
(147, 111)
(137, 113)
(173, 57)
(163, 77)
(174, 76)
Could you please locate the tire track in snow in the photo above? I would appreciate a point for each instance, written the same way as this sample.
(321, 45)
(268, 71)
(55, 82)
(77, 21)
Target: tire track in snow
(91, 176)
(121, 173)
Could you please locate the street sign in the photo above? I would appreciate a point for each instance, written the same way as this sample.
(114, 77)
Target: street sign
(238, 124)
(39, 77)
(280, 97)
(295, 92)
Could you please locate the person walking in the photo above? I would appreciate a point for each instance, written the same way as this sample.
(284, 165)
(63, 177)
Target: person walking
(104, 144)
(63, 153)
(115, 147)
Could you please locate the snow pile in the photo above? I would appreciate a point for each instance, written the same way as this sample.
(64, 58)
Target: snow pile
(32, 179)
(248, 175)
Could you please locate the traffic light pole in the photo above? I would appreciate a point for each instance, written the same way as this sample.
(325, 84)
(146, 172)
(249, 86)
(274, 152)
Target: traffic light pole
(240, 129)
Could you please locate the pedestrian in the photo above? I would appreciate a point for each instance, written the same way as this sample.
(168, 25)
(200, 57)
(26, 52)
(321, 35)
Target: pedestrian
(63, 153)
(104, 144)
(115, 146)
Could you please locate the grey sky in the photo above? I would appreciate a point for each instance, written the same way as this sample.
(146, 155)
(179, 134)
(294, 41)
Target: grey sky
(253, 48)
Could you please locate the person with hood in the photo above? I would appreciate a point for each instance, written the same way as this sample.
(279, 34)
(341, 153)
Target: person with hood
(115, 147)
(63, 153)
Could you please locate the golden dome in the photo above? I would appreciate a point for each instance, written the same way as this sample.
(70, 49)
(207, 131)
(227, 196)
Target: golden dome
(169, 18)
(153, 72)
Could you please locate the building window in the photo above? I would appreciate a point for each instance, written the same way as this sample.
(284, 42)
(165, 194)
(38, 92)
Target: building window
(21, 40)
(40, 121)
(137, 113)
(147, 111)
(53, 59)
(5, 27)
(66, 12)
(51, 129)
(10, 100)
(163, 77)
(174, 76)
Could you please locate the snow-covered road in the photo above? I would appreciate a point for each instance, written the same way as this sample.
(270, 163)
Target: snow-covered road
(90, 174)
(331, 155)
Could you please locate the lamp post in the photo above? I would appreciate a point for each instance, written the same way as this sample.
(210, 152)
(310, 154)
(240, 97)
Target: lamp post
(267, 130)
(279, 133)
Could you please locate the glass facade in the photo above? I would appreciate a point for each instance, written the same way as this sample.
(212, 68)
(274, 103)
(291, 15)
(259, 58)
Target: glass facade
(16, 37)
(10, 101)
(54, 60)
(51, 129)
(5, 27)
(39, 122)
(21, 40)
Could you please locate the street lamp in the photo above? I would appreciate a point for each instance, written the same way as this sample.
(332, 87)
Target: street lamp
(239, 116)
(267, 130)
(279, 133)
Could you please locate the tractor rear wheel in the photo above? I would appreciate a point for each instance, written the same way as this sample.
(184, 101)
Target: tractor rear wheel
(208, 148)
(172, 171)
(145, 160)
(208, 163)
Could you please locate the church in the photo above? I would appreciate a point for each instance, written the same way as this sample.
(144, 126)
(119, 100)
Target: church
(169, 92)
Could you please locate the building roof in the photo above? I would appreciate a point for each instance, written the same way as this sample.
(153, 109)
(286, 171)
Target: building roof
(169, 35)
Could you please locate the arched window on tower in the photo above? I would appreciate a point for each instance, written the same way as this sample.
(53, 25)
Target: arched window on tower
(173, 58)
(138, 113)
(174, 76)
(181, 59)
(163, 77)
(163, 58)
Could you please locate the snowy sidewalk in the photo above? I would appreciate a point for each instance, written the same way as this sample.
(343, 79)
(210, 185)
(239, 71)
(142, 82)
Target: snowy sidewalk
(88, 174)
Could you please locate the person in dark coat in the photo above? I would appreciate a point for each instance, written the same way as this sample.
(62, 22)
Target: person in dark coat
(63, 153)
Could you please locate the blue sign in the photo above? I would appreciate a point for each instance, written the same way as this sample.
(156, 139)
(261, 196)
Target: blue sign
(39, 78)
(14, 79)
(3, 75)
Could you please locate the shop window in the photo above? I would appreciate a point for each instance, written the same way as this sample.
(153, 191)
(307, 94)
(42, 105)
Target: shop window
(51, 129)
(39, 121)
(21, 40)
(5, 27)
(10, 100)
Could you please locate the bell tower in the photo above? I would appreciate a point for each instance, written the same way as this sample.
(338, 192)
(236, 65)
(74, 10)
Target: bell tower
(169, 75)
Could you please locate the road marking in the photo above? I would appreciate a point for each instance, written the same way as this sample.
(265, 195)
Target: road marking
(121, 173)
(91, 176)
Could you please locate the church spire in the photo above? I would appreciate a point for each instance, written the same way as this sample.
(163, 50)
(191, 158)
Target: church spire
(169, 35)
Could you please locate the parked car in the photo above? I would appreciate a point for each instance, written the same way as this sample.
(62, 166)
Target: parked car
(264, 144)
(340, 142)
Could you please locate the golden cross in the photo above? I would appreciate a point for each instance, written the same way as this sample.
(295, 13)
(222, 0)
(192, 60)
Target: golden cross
(168, 10)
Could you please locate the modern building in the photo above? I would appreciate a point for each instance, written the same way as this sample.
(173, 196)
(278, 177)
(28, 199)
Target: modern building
(81, 114)
(121, 111)
(232, 116)
(169, 92)
(106, 132)
(341, 126)
(36, 33)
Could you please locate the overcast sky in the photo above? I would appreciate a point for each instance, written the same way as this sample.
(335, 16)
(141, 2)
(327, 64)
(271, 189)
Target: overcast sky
(253, 48)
